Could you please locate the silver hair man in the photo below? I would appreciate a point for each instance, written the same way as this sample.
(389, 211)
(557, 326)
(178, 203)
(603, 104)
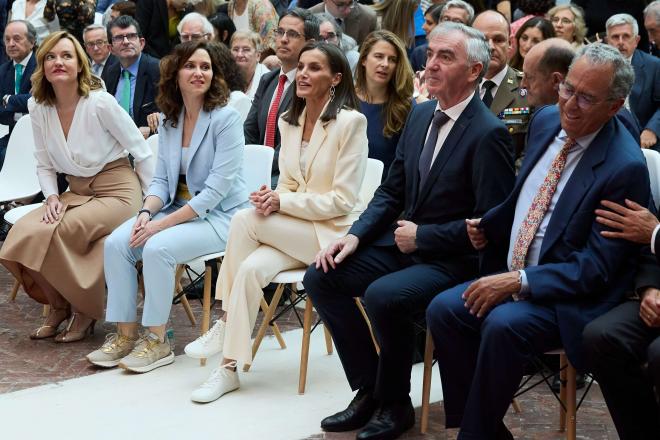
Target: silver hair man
(476, 46)
(602, 54)
(462, 5)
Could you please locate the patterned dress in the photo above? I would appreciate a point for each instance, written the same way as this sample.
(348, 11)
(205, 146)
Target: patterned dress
(74, 15)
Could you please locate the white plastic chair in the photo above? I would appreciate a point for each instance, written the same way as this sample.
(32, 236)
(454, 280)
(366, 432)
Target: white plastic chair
(653, 163)
(18, 177)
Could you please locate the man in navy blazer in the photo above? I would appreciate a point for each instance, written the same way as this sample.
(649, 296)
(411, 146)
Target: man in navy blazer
(454, 159)
(644, 99)
(20, 38)
(127, 45)
(486, 330)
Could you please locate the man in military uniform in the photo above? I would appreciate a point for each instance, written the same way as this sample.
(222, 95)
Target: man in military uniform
(500, 88)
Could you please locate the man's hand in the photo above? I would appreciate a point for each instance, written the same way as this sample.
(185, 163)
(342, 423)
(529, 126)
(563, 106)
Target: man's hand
(487, 292)
(647, 139)
(405, 236)
(336, 252)
(649, 309)
(631, 222)
(476, 234)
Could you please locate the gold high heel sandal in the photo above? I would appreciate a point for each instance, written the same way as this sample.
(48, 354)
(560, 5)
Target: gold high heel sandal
(73, 336)
(49, 330)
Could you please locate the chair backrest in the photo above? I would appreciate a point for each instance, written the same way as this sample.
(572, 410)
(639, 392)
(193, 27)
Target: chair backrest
(152, 141)
(372, 178)
(18, 177)
(653, 164)
(257, 166)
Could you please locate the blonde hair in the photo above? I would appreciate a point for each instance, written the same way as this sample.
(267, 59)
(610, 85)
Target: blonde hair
(580, 26)
(42, 89)
(398, 16)
(253, 37)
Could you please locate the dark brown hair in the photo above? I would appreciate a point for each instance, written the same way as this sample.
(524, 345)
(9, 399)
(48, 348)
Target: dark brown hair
(169, 98)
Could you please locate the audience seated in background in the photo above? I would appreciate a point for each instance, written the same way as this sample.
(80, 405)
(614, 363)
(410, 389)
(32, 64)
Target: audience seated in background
(246, 50)
(56, 251)
(19, 9)
(554, 271)
(322, 165)
(431, 19)
(274, 93)
(331, 32)
(233, 76)
(398, 16)
(568, 21)
(257, 16)
(95, 38)
(126, 7)
(384, 86)
(532, 32)
(644, 99)
(652, 25)
(197, 187)
(454, 160)
(158, 20)
(224, 28)
(357, 20)
(20, 38)
(134, 79)
(72, 16)
(194, 26)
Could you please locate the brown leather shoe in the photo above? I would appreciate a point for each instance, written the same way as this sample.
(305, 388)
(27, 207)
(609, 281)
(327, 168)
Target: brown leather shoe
(77, 335)
(49, 328)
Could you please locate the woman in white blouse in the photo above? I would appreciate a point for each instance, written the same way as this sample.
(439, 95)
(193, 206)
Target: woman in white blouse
(246, 50)
(33, 11)
(79, 130)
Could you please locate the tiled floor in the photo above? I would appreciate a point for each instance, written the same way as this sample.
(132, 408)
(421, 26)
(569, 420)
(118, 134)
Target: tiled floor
(25, 363)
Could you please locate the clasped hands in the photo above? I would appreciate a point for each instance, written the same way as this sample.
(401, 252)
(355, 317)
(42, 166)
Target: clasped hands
(649, 308)
(265, 201)
(143, 229)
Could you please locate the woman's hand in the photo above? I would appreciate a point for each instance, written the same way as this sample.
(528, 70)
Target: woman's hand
(53, 209)
(143, 230)
(153, 119)
(266, 201)
(140, 222)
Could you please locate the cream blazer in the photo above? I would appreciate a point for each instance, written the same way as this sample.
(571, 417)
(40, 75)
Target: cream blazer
(327, 191)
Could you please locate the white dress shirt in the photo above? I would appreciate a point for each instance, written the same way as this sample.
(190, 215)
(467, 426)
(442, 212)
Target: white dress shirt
(497, 79)
(42, 26)
(290, 78)
(453, 113)
(100, 133)
(259, 71)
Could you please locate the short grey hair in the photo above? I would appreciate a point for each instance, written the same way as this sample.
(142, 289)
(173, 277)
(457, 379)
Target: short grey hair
(603, 54)
(459, 4)
(31, 33)
(476, 46)
(195, 16)
(620, 19)
(653, 8)
(325, 17)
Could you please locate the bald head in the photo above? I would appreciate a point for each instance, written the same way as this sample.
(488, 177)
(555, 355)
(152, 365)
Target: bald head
(496, 29)
(545, 67)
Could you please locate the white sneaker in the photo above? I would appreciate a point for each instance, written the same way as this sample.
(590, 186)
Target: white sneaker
(209, 344)
(221, 381)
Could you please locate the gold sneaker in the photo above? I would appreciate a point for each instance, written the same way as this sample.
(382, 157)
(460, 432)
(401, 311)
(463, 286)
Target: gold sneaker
(114, 348)
(149, 353)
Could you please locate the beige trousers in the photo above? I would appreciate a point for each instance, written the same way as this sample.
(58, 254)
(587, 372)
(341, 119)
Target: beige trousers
(258, 248)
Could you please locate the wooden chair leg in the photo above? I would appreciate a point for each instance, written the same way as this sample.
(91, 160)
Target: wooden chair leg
(274, 327)
(264, 325)
(328, 339)
(14, 290)
(45, 311)
(426, 382)
(571, 422)
(366, 318)
(562, 392)
(177, 289)
(304, 352)
(206, 305)
(516, 406)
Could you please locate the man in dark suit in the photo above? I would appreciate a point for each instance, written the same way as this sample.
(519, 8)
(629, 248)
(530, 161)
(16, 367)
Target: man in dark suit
(454, 159)
(134, 79)
(152, 15)
(98, 49)
(652, 25)
(20, 38)
(644, 99)
(273, 95)
(500, 88)
(355, 19)
(554, 271)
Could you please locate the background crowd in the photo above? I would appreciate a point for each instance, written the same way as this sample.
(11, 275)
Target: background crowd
(514, 215)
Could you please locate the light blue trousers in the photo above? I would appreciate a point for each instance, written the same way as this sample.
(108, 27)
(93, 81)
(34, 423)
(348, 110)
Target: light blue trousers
(160, 255)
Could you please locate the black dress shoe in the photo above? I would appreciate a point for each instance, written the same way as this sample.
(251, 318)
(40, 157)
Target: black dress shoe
(355, 416)
(504, 433)
(580, 382)
(389, 422)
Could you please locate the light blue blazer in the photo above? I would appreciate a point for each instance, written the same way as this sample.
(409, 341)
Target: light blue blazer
(215, 159)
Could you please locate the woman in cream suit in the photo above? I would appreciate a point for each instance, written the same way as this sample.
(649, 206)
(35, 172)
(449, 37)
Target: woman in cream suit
(322, 164)
(197, 188)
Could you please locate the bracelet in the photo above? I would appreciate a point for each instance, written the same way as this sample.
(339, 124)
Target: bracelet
(147, 211)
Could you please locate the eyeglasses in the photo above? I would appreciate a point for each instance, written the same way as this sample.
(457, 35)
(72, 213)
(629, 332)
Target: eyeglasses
(119, 39)
(97, 43)
(194, 37)
(246, 50)
(563, 20)
(290, 34)
(584, 102)
(345, 5)
(330, 37)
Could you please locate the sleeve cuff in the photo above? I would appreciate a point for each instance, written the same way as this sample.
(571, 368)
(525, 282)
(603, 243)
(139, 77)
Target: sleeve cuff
(655, 232)
(524, 285)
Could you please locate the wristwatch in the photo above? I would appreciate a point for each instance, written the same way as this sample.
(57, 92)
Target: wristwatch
(151, 216)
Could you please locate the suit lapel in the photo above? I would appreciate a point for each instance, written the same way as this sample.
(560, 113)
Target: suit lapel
(319, 134)
(291, 151)
(140, 85)
(26, 83)
(506, 92)
(201, 127)
(112, 78)
(640, 79)
(174, 165)
(416, 145)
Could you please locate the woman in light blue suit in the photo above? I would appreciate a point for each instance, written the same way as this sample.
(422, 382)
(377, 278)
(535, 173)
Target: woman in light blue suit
(196, 189)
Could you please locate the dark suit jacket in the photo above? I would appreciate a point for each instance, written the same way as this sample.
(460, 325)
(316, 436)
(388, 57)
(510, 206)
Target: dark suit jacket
(645, 94)
(108, 63)
(153, 20)
(472, 173)
(255, 123)
(146, 86)
(508, 96)
(580, 273)
(359, 23)
(15, 103)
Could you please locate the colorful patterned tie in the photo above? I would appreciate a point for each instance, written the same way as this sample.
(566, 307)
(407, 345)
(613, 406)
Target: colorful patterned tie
(539, 207)
(18, 79)
(126, 91)
(271, 122)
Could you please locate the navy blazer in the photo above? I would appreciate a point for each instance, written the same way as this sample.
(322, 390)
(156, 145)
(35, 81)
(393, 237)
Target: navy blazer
(255, 123)
(146, 86)
(154, 24)
(15, 103)
(645, 94)
(580, 273)
(472, 173)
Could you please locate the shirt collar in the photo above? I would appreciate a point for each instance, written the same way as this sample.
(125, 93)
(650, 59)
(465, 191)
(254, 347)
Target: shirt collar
(133, 68)
(290, 75)
(583, 141)
(455, 111)
(24, 61)
(499, 76)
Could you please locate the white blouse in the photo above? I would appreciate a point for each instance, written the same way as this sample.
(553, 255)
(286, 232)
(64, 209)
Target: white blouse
(241, 102)
(42, 26)
(101, 132)
(259, 71)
